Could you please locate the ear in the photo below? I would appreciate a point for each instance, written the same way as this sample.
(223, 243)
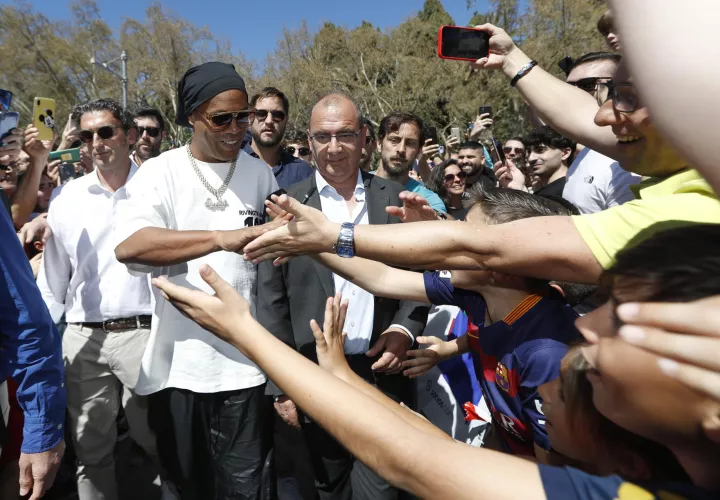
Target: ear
(566, 154)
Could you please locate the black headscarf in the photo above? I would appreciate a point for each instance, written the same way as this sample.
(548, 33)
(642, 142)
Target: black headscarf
(202, 83)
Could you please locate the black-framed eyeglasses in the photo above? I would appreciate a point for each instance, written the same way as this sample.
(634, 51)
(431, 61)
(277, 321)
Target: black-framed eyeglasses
(223, 119)
(302, 151)
(262, 114)
(344, 138)
(151, 131)
(623, 95)
(451, 177)
(590, 84)
(105, 132)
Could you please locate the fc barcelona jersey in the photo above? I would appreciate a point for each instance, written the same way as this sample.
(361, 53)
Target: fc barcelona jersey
(513, 357)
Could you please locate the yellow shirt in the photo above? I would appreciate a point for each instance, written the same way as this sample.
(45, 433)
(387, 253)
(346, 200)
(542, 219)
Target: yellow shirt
(681, 200)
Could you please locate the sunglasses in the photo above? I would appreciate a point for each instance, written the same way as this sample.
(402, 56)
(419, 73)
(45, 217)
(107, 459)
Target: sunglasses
(105, 132)
(588, 84)
(262, 114)
(451, 177)
(224, 119)
(151, 131)
(507, 150)
(302, 151)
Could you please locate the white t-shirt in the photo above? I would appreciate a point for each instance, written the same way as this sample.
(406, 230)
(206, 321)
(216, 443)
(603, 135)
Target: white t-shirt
(167, 193)
(596, 183)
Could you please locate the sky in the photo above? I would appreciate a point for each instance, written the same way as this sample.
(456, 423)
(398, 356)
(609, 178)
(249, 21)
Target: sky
(253, 27)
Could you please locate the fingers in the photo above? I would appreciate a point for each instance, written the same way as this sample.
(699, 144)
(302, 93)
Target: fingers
(38, 488)
(700, 351)
(379, 346)
(329, 322)
(702, 380)
(26, 478)
(387, 361)
(414, 371)
(398, 212)
(674, 317)
(220, 286)
(281, 261)
(318, 334)
(423, 340)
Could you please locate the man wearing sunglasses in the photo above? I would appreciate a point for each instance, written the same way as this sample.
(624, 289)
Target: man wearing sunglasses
(151, 133)
(297, 145)
(267, 126)
(575, 249)
(594, 181)
(191, 206)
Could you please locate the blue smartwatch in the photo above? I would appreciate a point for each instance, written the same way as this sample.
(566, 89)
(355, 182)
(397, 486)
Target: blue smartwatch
(345, 246)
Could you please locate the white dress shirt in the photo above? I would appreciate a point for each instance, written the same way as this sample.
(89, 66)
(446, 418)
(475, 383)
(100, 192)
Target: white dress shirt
(167, 193)
(80, 275)
(361, 309)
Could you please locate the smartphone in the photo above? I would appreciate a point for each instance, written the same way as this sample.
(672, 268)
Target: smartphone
(8, 121)
(66, 155)
(431, 134)
(485, 110)
(455, 132)
(67, 172)
(498, 150)
(462, 44)
(44, 117)
(5, 99)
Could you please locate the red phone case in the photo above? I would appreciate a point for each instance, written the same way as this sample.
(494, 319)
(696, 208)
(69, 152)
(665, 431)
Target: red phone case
(439, 49)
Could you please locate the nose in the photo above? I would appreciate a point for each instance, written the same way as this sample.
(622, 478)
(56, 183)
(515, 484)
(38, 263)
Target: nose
(533, 158)
(607, 116)
(334, 146)
(269, 118)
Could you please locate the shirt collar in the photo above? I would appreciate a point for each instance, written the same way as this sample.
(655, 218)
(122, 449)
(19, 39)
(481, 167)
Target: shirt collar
(96, 185)
(323, 185)
(686, 180)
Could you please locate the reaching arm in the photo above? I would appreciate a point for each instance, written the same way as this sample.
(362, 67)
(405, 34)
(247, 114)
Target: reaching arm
(375, 435)
(565, 108)
(155, 246)
(25, 198)
(377, 278)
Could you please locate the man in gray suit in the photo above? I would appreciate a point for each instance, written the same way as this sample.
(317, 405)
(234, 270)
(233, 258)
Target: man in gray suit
(379, 330)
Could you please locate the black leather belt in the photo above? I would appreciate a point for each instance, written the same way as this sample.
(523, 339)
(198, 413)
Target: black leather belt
(114, 325)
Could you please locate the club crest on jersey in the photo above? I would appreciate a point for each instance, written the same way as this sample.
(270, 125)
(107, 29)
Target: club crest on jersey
(502, 378)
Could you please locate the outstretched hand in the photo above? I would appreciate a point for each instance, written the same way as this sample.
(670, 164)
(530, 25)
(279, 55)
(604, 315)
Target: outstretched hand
(501, 45)
(509, 176)
(686, 335)
(309, 232)
(415, 208)
(424, 359)
(222, 314)
(330, 341)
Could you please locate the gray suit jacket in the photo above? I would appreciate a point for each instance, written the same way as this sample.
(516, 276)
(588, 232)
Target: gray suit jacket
(291, 295)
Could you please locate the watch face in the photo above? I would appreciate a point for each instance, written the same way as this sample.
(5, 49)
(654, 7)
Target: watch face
(345, 252)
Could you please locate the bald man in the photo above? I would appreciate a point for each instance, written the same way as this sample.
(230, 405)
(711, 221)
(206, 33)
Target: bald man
(379, 331)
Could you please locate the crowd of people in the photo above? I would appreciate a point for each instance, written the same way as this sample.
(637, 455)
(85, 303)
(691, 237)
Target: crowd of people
(252, 309)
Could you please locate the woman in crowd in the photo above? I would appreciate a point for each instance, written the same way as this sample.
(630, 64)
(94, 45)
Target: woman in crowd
(447, 180)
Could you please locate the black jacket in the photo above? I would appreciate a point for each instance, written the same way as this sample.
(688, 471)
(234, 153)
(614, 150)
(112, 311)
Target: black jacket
(291, 295)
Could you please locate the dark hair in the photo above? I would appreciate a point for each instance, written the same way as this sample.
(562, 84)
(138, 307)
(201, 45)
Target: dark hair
(121, 114)
(674, 265)
(516, 138)
(153, 113)
(605, 23)
(436, 183)
(269, 92)
(547, 136)
(470, 145)
(594, 57)
(609, 440)
(393, 122)
(503, 205)
(295, 136)
(370, 129)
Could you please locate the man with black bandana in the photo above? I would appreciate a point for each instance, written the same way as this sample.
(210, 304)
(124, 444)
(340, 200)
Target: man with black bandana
(196, 205)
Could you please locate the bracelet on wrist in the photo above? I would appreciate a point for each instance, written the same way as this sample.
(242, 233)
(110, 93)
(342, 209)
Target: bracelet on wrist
(523, 71)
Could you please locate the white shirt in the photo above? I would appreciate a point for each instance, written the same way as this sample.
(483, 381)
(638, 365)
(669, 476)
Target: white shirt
(167, 193)
(361, 309)
(596, 183)
(80, 275)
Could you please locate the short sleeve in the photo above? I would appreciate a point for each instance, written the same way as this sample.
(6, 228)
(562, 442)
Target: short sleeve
(561, 483)
(438, 288)
(608, 232)
(541, 366)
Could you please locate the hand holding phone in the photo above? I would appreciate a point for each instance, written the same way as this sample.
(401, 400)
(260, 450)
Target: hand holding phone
(455, 132)
(485, 110)
(462, 44)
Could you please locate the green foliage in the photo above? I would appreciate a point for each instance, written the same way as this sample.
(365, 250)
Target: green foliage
(383, 70)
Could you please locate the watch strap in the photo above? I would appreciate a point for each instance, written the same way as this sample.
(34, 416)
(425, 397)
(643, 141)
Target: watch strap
(523, 71)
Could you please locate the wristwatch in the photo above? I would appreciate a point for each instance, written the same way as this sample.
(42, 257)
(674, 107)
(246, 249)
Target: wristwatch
(345, 246)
